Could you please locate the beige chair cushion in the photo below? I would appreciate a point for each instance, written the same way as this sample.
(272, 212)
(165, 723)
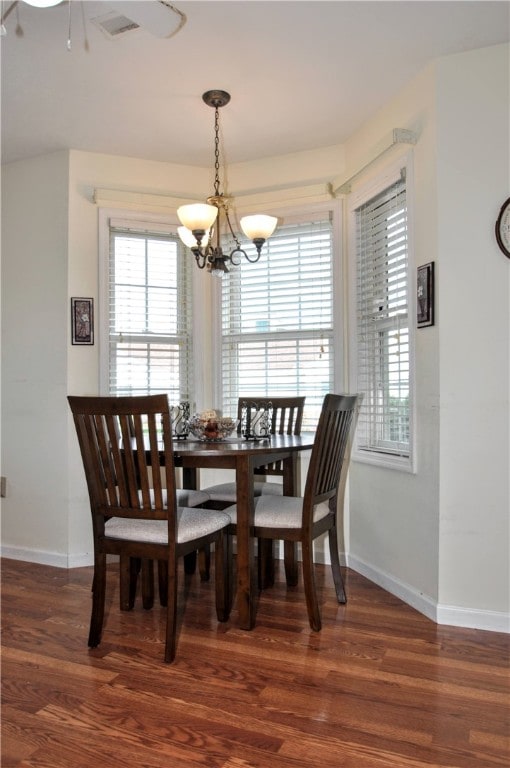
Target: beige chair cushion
(228, 491)
(192, 524)
(279, 511)
(186, 498)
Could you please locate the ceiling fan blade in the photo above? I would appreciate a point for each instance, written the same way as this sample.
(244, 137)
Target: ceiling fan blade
(157, 17)
(10, 8)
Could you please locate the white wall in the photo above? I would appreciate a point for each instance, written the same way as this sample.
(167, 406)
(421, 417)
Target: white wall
(440, 538)
(50, 247)
(49, 253)
(88, 171)
(473, 165)
(419, 535)
(394, 515)
(34, 357)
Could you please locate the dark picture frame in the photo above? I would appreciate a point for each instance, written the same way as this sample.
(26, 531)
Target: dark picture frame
(82, 320)
(425, 295)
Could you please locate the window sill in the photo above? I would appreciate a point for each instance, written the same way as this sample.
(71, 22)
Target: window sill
(385, 460)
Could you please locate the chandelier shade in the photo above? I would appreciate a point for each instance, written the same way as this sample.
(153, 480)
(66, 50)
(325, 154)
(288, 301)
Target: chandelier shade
(258, 226)
(189, 239)
(204, 224)
(197, 216)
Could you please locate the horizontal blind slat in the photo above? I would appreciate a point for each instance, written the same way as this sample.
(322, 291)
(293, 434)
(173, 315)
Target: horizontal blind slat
(382, 322)
(150, 306)
(277, 320)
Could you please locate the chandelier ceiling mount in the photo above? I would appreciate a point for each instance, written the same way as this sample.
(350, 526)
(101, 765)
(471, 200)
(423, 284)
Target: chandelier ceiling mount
(216, 98)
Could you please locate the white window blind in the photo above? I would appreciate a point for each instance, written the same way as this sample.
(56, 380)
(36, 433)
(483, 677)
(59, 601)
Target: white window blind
(150, 313)
(383, 322)
(277, 320)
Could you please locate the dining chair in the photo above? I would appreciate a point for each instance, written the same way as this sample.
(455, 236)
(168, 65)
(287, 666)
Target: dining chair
(286, 417)
(131, 568)
(134, 511)
(303, 519)
(286, 414)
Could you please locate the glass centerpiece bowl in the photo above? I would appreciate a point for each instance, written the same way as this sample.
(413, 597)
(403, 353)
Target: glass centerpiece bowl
(211, 427)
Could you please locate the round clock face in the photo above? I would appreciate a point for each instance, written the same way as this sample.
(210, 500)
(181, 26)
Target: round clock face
(503, 228)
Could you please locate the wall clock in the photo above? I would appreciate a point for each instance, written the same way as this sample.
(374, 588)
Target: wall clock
(503, 228)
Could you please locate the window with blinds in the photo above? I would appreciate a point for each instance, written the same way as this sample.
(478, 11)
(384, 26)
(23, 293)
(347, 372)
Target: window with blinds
(277, 320)
(150, 312)
(383, 323)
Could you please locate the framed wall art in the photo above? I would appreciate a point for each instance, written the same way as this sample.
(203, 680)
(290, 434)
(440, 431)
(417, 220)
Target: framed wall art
(82, 321)
(425, 295)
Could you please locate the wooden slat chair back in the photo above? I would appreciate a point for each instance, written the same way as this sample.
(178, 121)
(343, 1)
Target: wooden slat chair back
(303, 519)
(286, 412)
(329, 451)
(134, 511)
(131, 569)
(286, 418)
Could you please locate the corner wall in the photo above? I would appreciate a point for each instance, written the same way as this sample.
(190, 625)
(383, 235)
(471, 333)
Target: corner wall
(394, 515)
(440, 538)
(35, 318)
(473, 162)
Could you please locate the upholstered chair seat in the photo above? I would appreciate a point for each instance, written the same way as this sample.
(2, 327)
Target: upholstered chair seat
(191, 524)
(280, 512)
(228, 491)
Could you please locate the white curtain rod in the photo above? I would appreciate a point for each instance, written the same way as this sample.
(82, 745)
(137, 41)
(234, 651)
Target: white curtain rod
(398, 136)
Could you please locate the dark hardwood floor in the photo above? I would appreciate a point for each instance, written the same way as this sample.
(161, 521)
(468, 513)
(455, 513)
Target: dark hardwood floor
(380, 686)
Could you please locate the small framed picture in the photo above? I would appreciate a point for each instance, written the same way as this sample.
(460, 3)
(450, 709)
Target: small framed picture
(82, 321)
(425, 295)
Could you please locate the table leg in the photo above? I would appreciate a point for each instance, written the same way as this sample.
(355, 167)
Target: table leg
(246, 581)
(265, 557)
(189, 481)
(189, 478)
(291, 480)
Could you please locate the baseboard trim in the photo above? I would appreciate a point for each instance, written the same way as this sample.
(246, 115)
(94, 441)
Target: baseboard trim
(493, 621)
(43, 557)
(455, 616)
(408, 594)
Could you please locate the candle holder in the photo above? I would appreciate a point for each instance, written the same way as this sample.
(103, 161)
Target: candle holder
(256, 420)
(179, 415)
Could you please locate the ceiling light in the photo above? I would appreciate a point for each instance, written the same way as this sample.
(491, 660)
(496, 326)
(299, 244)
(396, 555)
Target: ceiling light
(204, 221)
(42, 3)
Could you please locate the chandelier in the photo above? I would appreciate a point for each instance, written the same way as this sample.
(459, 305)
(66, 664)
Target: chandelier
(203, 223)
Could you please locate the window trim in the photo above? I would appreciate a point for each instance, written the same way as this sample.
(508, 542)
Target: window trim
(165, 224)
(363, 191)
(290, 215)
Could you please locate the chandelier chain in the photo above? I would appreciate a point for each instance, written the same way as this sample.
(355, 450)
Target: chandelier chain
(217, 152)
(220, 197)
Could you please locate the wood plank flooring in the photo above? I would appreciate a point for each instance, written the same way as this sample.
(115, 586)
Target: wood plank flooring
(380, 686)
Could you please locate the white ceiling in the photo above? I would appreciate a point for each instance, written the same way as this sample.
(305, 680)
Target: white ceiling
(302, 74)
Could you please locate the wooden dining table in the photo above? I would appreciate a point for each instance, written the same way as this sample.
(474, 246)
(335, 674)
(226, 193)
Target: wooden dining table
(243, 456)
